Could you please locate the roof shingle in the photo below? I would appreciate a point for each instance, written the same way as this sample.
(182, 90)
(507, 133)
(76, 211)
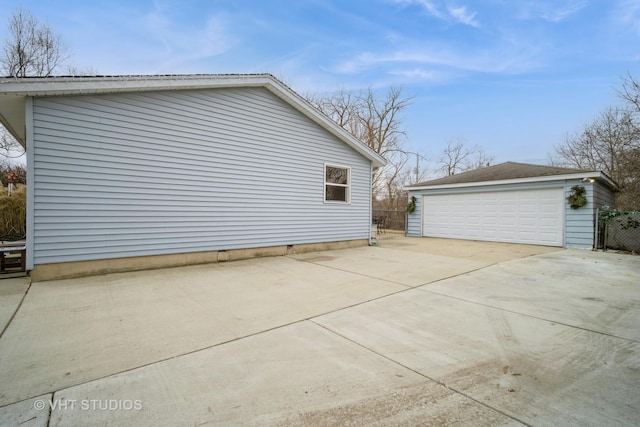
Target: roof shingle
(502, 171)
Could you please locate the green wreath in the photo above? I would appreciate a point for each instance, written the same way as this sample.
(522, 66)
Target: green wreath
(577, 198)
(411, 206)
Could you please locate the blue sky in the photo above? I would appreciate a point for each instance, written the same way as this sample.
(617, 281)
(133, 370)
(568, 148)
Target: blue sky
(514, 76)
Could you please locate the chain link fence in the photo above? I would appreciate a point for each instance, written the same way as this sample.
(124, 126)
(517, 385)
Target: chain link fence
(621, 232)
(389, 219)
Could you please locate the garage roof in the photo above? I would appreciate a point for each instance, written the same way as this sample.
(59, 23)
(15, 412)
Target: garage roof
(14, 91)
(512, 173)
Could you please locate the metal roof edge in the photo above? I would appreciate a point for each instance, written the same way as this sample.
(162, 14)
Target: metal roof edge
(50, 86)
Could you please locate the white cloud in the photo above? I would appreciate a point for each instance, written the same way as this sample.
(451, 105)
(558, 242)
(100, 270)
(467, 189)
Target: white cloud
(560, 14)
(416, 74)
(552, 11)
(461, 14)
(444, 10)
(503, 59)
(427, 5)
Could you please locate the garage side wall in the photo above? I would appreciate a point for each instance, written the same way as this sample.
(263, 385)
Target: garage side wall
(603, 196)
(579, 223)
(156, 173)
(414, 220)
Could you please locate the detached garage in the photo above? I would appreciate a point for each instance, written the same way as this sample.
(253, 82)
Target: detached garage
(511, 202)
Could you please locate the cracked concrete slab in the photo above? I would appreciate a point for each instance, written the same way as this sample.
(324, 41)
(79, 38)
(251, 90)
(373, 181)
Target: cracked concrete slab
(300, 374)
(536, 370)
(592, 290)
(402, 267)
(416, 331)
(27, 413)
(76, 330)
(11, 293)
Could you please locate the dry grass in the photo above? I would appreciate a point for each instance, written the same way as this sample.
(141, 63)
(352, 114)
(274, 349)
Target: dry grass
(13, 214)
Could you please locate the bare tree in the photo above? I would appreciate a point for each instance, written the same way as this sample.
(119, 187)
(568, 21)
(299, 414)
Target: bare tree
(382, 125)
(603, 144)
(630, 92)
(9, 147)
(19, 170)
(375, 121)
(609, 143)
(458, 157)
(629, 198)
(342, 107)
(394, 179)
(71, 70)
(31, 49)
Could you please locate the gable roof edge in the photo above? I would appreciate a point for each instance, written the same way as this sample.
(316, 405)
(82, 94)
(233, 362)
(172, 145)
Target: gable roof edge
(295, 100)
(14, 90)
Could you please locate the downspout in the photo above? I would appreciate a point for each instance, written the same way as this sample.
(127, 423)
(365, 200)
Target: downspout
(369, 221)
(30, 250)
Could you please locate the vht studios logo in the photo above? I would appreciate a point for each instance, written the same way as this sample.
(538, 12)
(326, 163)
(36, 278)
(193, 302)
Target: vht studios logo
(89, 405)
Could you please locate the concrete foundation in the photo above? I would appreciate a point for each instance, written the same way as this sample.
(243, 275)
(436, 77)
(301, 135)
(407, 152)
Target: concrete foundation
(68, 270)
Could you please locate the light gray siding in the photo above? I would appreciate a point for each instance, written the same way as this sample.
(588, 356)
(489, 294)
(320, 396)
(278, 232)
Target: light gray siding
(579, 222)
(185, 171)
(603, 196)
(414, 220)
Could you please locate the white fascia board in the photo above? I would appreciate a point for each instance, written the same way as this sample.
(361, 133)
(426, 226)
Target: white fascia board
(53, 86)
(581, 175)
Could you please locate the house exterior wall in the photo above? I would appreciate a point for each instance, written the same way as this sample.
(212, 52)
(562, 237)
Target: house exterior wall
(578, 223)
(154, 173)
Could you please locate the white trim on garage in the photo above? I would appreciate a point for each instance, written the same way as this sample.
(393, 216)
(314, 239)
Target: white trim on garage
(533, 216)
(530, 180)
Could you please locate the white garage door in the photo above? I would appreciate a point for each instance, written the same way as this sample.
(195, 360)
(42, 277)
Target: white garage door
(530, 216)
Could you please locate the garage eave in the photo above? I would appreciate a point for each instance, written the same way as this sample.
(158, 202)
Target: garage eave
(585, 176)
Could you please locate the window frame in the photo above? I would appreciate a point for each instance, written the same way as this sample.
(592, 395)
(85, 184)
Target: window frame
(347, 186)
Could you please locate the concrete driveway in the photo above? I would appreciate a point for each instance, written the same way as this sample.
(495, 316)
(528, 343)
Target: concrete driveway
(413, 332)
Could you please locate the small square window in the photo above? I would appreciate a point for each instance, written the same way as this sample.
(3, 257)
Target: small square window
(337, 180)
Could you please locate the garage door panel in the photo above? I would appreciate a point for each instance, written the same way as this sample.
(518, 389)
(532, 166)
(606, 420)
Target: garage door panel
(528, 216)
(549, 222)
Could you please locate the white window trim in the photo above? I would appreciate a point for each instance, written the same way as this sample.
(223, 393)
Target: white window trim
(347, 185)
